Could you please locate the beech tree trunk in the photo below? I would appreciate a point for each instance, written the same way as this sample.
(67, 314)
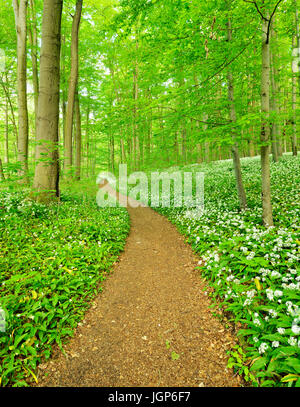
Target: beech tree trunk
(20, 11)
(297, 41)
(8, 98)
(235, 148)
(87, 138)
(123, 153)
(46, 177)
(77, 138)
(206, 143)
(135, 135)
(6, 156)
(265, 127)
(294, 101)
(72, 89)
(2, 177)
(274, 107)
(33, 45)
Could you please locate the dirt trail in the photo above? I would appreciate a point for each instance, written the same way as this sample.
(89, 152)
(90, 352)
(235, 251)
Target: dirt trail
(152, 305)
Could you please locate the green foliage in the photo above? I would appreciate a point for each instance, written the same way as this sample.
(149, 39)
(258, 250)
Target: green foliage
(53, 260)
(254, 271)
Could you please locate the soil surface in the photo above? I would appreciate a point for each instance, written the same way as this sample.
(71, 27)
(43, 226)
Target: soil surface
(151, 325)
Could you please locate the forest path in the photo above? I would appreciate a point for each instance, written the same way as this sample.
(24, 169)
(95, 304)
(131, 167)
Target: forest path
(152, 305)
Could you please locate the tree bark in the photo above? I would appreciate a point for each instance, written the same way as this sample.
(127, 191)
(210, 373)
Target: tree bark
(6, 156)
(2, 177)
(20, 10)
(135, 135)
(265, 128)
(33, 45)
(8, 98)
(87, 137)
(235, 148)
(297, 41)
(206, 143)
(123, 153)
(294, 104)
(46, 177)
(72, 89)
(275, 131)
(77, 139)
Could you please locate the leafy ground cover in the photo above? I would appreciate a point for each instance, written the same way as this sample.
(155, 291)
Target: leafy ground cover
(52, 261)
(254, 272)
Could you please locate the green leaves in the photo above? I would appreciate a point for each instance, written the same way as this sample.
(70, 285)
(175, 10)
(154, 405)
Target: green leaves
(253, 271)
(259, 364)
(52, 268)
(174, 355)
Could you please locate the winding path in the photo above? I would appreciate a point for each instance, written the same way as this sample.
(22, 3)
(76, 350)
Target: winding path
(152, 307)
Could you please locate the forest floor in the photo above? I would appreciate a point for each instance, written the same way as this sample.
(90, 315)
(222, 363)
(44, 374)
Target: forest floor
(151, 325)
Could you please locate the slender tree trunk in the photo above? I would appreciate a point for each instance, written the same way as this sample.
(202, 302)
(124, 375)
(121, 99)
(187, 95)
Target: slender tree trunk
(72, 89)
(63, 87)
(183, 142)
(294, 103)
(46, 177)
(34, 45)
(2, 177)
(235, 148)
(123, 154)
(265, 128)
(136, 144)
(206, 143)
(87, 137)
(149, 128)
(199, 153)
(77, 139)
(20, 10)
(297, 41)
(6, 156)
(112, 152)
(274, 106)
(8, 98)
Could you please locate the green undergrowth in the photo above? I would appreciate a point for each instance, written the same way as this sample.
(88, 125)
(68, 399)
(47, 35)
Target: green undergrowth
(53, 260)
(254, 271)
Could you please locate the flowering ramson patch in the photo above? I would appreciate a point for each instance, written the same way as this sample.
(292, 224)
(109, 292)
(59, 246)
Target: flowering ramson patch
(254, 271)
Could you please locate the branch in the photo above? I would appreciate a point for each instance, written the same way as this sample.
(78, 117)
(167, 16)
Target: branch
(270, 19)
(257, 8)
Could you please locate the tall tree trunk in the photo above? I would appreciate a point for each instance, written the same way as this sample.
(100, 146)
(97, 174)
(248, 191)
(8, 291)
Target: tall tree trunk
(297, 41)
(135, 135)
(2, 177)
(20, 10)
(274, 105)
(77, 139)
(294, 102)
(235, 148)
(265, 127)
(72, 89)
(63, 88)
(8, 98)
(149, 128)
(6, 156)
(87, 136)
(112, 152)
(206, 143)
(183, 142)
(34, 45)
(123, 153)
(46, 177)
